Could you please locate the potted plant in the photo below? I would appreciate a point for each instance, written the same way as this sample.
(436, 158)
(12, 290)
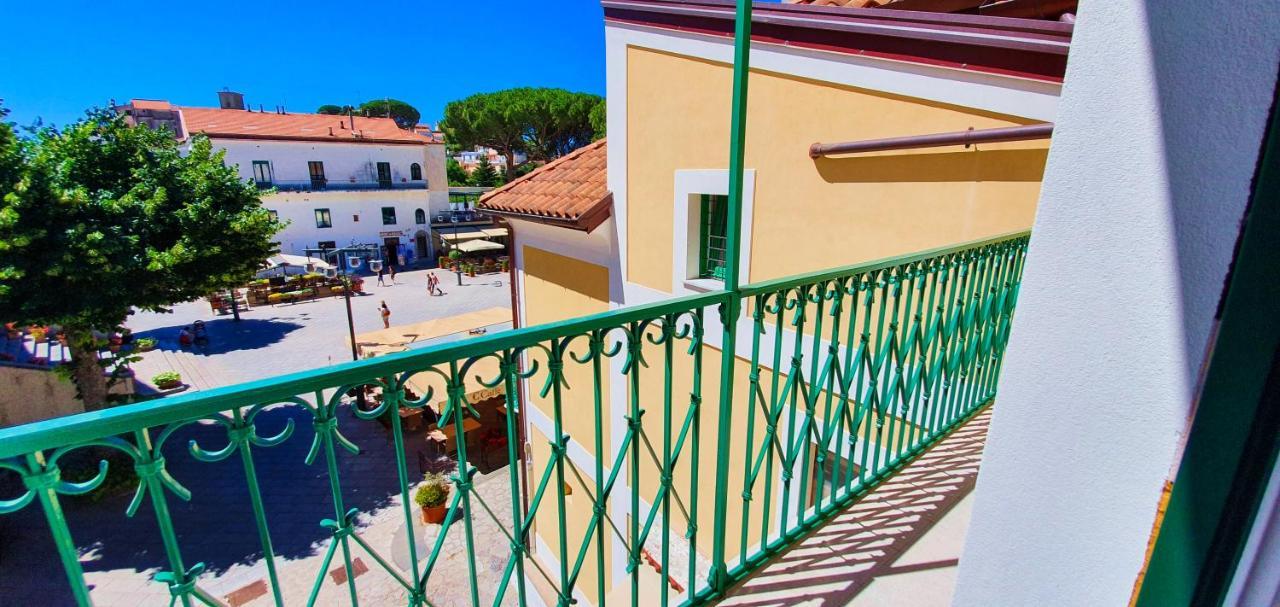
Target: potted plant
(144, 344)
(38, 334)
(432, 496)
(167, 380)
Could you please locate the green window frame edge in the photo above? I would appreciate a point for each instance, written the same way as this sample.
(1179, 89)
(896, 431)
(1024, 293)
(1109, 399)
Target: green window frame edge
(1235, 434)
(704, 234)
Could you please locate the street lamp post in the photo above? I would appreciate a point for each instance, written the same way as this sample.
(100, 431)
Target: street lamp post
(351, 334)
(457, 263)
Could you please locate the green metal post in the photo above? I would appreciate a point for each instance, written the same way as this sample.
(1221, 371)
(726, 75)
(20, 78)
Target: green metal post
(718, 579)
(43, 480)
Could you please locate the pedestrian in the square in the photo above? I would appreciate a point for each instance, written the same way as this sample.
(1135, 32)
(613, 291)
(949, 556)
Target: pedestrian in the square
(381, 282)
(392, 269)
(386, 315)
(431, 284)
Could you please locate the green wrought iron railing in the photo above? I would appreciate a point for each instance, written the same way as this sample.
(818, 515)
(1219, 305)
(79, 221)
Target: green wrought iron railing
(847, 374)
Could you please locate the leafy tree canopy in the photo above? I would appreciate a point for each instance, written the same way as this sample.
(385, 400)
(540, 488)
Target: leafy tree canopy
(457, 175)
(542, 122)
(484, 175)
(405, 115)
(334, 110)
(102, 218)
(598, 120)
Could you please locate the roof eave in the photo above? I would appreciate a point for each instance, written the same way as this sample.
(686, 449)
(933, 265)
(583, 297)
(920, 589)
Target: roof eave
(586, 222)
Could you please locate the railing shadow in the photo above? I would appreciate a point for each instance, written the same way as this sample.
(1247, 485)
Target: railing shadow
(839, 560)
(217, 526)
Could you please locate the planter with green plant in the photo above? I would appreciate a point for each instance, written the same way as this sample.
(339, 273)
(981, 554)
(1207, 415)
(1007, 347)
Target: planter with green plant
(167, 380)
(432, 497)
(144, 344)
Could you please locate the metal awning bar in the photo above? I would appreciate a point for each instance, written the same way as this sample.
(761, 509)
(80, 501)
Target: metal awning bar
(965, 138)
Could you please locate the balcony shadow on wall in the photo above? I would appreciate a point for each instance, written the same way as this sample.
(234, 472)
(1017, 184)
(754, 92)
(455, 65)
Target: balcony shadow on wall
(217, 526)
(909, 166)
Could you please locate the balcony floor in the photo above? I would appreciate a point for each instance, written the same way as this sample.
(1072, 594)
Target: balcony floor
(900, 545)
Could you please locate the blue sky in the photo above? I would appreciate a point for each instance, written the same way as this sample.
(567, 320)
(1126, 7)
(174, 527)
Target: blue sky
(60, 61)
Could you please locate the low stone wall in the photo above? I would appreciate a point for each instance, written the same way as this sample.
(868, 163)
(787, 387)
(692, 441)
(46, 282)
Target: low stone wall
(29, 394)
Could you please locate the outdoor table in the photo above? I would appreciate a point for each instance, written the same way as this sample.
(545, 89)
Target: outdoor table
(443, 436)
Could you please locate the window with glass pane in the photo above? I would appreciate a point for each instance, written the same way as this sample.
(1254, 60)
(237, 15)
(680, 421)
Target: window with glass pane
(323, 219)
(262, 172)
(420, 216)
(316, 169)
(415, 172)
(711, 236)
(388, 216)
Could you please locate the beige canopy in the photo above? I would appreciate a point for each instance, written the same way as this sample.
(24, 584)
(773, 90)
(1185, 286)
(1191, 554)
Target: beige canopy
(402, 335)
(396, 339)
(475, 246)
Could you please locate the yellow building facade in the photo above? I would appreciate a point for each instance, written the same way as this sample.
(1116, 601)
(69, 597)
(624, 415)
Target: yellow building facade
(669, 93)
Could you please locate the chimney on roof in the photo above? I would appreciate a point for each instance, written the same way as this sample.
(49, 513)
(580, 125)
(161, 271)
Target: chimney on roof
(260, 110)
(230, 100)
(331, 131)
(342, 124)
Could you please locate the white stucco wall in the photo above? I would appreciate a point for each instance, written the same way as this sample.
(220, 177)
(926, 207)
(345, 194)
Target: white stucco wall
(1157, 138)
(298, 208)
(342, 161)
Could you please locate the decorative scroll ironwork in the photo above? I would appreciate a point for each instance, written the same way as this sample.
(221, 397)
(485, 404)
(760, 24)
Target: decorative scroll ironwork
(852, 372)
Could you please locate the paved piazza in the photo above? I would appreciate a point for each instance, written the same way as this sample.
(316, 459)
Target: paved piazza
(121, 554)
(273, 340)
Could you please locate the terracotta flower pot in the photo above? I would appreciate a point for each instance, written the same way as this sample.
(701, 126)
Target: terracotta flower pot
(434, 515)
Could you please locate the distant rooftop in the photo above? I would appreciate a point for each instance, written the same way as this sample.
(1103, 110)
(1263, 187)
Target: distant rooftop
(232, 123)
(247, 124)
(571, 191)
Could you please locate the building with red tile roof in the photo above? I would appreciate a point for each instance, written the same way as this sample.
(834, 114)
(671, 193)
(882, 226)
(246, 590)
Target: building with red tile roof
(336, 180)
(571, 191)
(285, 126)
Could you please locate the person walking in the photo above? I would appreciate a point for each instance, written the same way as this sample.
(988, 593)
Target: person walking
(381, 281)
(392, 270)
(386, 315)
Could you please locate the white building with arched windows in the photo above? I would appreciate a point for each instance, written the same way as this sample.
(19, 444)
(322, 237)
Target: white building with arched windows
(336, 180)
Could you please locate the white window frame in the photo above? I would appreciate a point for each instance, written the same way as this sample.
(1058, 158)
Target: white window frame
(690, 185)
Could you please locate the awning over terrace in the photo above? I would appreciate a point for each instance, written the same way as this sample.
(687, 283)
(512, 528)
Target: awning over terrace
(475, 246)
(399, 338)
(461, 235)
(384, 340)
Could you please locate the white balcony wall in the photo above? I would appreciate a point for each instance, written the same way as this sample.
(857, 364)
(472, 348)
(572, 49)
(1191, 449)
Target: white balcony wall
(342, 161)
(1159, 127)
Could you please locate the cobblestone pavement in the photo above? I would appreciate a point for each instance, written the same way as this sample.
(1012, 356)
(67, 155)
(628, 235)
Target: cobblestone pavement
(120, 555)
(273, 340)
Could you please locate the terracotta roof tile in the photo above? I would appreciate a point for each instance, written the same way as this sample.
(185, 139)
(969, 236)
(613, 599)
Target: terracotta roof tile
(572, 190)
(150, 104)
(242, 124)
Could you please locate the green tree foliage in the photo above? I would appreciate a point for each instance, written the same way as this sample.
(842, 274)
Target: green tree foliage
(334, 110)
(457, 175)
(405, 115)
(102, 218)
(559, 122)
(484, 175)
(598, 120)
(543, 123)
